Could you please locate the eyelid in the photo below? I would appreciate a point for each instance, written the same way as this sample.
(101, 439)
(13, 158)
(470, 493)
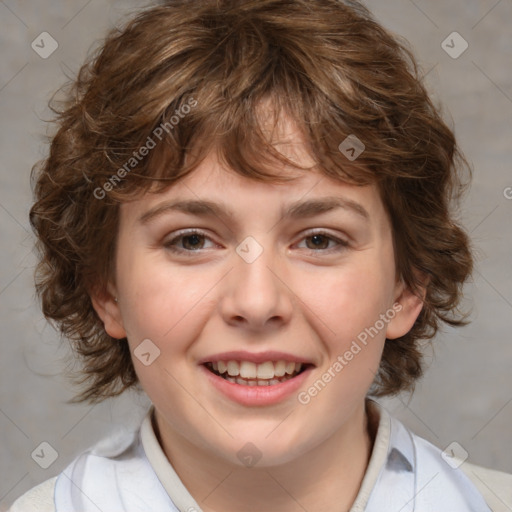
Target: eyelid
(186, 232)
(322, 231)
(341, 242)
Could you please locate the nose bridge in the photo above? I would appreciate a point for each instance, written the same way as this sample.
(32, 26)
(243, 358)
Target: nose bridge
(256, 292)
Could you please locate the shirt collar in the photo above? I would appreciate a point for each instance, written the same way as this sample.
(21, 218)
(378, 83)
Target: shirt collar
(392, 453)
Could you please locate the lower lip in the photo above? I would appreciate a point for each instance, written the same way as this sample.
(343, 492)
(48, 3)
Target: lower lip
(256, 395)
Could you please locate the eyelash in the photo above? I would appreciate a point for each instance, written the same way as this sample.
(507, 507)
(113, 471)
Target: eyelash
(170, 244)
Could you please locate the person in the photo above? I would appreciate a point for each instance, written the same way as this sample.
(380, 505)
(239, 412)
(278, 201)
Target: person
(246, 214)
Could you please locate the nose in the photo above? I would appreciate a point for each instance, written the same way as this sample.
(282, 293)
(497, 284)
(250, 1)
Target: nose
(256, 294)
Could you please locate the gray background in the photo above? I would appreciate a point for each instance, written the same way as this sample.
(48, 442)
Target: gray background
(466, 395)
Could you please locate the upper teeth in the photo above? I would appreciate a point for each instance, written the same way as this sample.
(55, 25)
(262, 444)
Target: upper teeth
(249, 370)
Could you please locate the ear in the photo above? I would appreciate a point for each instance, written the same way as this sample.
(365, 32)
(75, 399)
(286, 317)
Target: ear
(410, 307)
(108, 310)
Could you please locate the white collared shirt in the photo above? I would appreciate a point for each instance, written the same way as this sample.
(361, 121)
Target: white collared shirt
(129, 472)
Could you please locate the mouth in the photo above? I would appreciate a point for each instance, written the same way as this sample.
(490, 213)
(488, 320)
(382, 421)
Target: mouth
(247, 373)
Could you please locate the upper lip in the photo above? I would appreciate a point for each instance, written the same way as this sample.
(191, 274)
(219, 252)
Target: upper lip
(254, 357)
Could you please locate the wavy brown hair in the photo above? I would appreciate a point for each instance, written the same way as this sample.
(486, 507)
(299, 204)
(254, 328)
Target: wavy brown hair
(325, 63)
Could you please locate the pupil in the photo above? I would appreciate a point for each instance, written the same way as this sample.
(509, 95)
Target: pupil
(195, 239)
(317, 238)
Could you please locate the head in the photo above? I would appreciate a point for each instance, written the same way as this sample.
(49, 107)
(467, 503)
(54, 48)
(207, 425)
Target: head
(251, 105)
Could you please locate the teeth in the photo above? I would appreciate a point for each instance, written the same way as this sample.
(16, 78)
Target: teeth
(248, 370)
(233, 368)
(244, 382)
(266, 370)
(253, 373)
(279, 368)
(290, 367)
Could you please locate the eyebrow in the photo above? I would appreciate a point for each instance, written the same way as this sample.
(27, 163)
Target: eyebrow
(295, 210)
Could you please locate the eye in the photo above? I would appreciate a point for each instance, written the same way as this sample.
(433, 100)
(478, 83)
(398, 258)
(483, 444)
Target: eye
(190, 241)
(194, 241)
(320, 241)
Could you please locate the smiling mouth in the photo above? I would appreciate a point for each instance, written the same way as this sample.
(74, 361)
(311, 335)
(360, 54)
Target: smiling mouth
(247, 373)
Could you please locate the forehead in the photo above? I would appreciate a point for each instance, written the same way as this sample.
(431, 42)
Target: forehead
(215, 188)
(212, 190)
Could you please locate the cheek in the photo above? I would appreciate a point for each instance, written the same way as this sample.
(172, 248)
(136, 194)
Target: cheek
(346, 313)
(162, 302)
(350, 300)
(166, 306)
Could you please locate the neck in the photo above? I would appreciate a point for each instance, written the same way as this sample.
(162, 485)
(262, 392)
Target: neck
(326, 478)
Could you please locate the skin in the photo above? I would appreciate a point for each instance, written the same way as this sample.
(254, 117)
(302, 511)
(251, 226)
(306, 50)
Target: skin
(297, 297)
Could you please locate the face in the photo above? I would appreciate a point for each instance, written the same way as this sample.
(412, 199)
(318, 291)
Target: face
(273, 279)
